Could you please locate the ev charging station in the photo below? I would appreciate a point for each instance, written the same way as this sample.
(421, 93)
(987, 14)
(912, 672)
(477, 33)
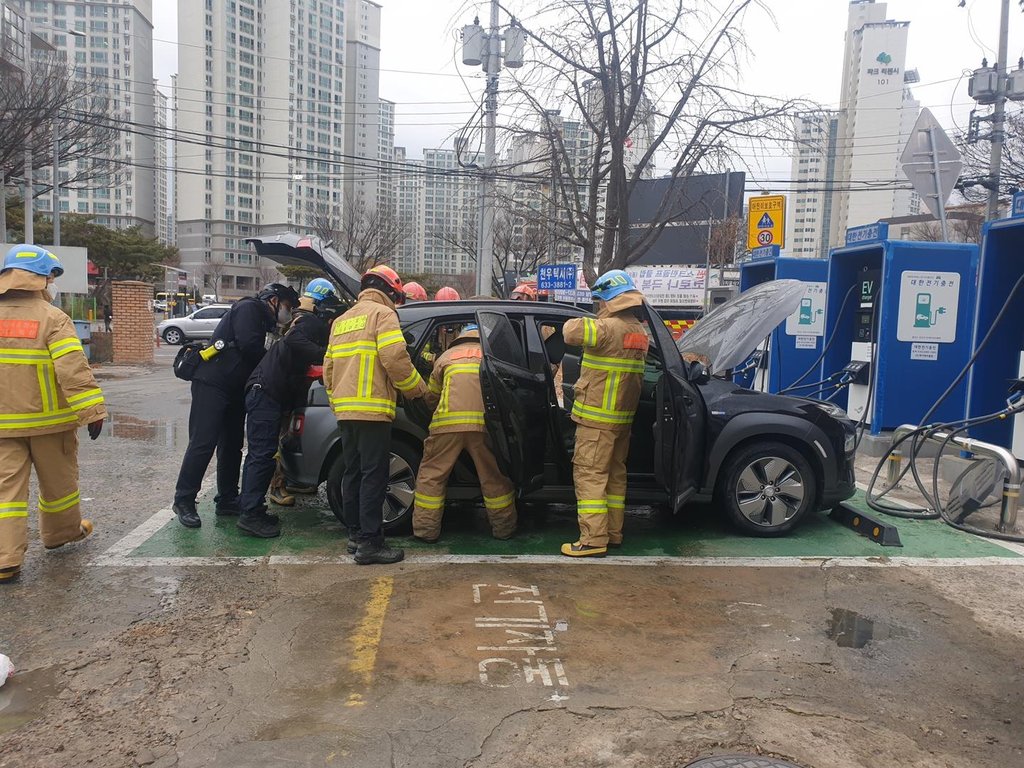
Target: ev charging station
(794, 346)
(1001, 362)
(905, 332)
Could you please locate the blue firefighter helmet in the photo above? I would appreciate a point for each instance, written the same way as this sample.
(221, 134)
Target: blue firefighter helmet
(470, 327)
(611, 284)
(33, 258)
(319, 289)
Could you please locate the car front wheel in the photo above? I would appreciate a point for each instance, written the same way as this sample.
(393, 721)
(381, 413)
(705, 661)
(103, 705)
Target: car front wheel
(401, 488)
(767, 488)
(173, 336)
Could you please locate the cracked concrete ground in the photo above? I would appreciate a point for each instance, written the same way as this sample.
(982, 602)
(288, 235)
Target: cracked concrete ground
(255, 666)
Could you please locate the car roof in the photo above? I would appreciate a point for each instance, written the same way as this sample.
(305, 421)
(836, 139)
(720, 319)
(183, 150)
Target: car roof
(418, 310)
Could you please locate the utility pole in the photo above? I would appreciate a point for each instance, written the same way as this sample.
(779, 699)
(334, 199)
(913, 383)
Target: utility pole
(479, 47)
(30, 234)
(995, 163)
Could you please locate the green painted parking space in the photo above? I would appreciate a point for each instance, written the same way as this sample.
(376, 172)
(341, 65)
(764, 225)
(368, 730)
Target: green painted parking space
(310, 530)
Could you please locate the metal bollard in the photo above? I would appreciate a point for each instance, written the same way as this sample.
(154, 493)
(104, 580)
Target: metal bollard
(1008, 509)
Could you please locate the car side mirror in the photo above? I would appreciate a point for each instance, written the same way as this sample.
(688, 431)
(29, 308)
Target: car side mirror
(698, 373)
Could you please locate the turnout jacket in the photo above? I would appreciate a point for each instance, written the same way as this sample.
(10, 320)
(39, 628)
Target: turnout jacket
(455, 387)
(611, 374)
(282, 371)
(46, 380)
(367, 362)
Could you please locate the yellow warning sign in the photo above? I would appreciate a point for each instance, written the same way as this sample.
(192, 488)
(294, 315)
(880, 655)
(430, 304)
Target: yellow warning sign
(766, 221)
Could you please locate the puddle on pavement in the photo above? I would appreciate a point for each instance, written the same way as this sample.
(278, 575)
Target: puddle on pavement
(849, 629)
(25, 695)
(166, 432)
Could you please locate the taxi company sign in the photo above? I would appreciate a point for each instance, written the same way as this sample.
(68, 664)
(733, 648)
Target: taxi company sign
(661, 286)
(766, 221)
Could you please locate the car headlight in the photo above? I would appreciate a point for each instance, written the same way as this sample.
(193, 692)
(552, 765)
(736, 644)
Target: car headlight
(832, 410)
(850, 443)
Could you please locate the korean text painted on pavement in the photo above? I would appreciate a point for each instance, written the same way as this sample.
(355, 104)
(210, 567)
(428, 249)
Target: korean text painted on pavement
(517, 638)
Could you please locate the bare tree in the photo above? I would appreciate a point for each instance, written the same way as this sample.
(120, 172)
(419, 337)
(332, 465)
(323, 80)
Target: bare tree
(267, 272)
(520, 243)
(365, 235)
(974, 181)
(56, 97)
(214, 268)
(964, 226)
(655, 82)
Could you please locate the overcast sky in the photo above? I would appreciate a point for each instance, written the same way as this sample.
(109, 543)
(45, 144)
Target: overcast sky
(799, 54)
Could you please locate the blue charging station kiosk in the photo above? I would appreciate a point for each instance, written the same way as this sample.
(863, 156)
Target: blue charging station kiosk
(797, 343)
(905, 332)
(1001, 265)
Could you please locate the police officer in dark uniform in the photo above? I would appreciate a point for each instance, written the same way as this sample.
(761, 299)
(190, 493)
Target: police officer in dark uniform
(278, 381)
(217, 418)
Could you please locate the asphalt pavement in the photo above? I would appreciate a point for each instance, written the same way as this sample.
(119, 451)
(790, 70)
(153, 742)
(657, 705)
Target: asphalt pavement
(152, 645)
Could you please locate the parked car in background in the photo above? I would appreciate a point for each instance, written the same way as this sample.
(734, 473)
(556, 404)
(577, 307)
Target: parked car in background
(197, 325)
(159, 305)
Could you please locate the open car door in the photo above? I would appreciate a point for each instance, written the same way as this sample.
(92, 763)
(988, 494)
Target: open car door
(515, 403)
(679, 419)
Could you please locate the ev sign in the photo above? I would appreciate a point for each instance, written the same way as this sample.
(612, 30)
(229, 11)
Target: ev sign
(766, 221)
(809, 318)
(928, 307)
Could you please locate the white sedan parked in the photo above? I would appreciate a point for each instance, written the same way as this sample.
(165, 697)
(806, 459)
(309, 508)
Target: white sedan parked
(198, 325)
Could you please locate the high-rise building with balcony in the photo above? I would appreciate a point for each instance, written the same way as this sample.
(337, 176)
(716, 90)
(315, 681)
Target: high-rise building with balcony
(114, 49)
(809, 222)
(272, 124)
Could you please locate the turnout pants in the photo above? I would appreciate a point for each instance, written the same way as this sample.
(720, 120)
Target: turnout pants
(366, 456)
(440, 452)
(599, 475)
(216, 422)
(263, 434)
(55, 457)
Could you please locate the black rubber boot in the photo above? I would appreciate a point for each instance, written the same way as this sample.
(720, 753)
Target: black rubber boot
(351, 546)
(378, 554)
(259, 524)
(187, 515)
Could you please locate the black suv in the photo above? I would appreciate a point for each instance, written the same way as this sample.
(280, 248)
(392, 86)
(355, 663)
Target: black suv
(766, 460)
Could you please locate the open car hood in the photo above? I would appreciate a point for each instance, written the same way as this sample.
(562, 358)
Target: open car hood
(292, 249)
(730, 332)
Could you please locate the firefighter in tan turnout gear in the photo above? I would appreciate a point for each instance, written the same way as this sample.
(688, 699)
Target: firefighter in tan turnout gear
(457, 426)
(606, 397)
(366, 365)
(49, 390)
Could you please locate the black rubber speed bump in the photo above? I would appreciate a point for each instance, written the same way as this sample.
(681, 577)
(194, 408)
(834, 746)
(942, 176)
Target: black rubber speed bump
(879, 532)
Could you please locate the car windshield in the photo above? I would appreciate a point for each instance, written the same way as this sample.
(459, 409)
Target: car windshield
(730, 332)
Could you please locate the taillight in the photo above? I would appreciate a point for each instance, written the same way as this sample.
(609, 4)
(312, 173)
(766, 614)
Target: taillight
(298, 423)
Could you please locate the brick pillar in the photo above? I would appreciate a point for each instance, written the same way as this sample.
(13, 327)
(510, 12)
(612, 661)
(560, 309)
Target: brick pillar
(132, 307)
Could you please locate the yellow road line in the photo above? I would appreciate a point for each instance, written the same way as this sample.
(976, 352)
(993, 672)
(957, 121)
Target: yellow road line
(366, 638)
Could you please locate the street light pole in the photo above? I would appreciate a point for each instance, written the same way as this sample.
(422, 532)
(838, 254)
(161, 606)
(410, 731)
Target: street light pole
(30, 234)
(998, 112)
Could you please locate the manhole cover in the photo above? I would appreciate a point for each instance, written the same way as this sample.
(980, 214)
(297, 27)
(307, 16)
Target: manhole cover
(739, 761)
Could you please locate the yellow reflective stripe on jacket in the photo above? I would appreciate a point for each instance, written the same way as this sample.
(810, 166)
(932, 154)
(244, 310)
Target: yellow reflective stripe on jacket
(84, 400)
(364, 384)
(428, 502)
(454, 418)
(59, 505)
(365, 404)
(12, 509)
(64, 346)
(388, 338)
(349, 348)
(434, 387)
(592, 507)
(614, 364)
(410, 382)
(24, 356)
(499, 502)
(47, 387)
(589, 332)
(29, 420)
(604, 415)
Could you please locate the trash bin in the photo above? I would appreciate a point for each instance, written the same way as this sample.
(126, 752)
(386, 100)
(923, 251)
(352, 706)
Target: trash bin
(84, 330)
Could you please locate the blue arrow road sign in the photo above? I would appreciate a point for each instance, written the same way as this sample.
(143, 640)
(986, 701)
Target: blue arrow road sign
(765, 222)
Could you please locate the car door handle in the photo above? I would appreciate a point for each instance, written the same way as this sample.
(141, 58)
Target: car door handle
(509, 381)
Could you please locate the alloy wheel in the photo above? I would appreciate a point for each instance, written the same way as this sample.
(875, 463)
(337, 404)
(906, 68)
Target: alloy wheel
(398, 499)
(769, 491)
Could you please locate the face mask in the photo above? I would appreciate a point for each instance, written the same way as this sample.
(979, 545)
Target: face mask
(55, 293)
(284, 315)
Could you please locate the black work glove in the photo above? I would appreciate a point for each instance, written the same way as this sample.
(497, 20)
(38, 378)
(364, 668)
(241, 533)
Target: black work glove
(95, 428)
